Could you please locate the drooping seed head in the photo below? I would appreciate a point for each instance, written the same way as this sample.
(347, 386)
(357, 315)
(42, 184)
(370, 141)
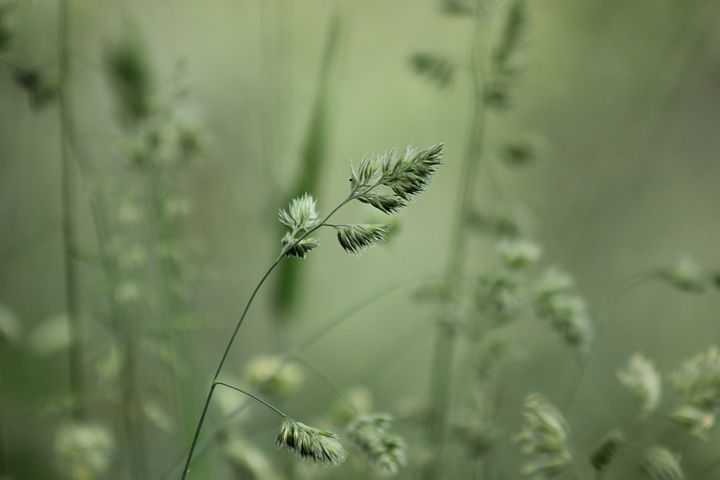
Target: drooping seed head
(310, 443)
(355, 238)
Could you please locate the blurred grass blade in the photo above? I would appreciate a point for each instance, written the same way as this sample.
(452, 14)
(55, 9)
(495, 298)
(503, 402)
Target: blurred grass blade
(313, 157)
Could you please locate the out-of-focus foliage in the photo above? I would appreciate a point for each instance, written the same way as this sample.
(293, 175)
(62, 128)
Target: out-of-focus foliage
(193, 123)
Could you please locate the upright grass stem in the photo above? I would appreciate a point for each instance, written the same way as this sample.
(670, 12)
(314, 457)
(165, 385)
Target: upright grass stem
(77, 381)
(445, 340)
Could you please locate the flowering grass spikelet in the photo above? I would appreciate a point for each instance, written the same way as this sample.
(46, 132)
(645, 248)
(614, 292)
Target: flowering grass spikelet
(355, 238)
(300, 217)
(310, 443)
(642, 380)
(405, 175)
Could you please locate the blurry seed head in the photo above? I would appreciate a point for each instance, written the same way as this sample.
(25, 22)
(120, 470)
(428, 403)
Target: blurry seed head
(518, 253)
(602, 456)
(83, 451)
(356, 400)
(699, 421)
(130, 76)
(544, 438)
(310, 443)
(568, 316)
(435, 68)
(697, 386)
(659, 463)
(270, 376)
(642, 380)
(686, 275)
(521, 151)
(498, 297)
(552, 282)
(384, 451)
(9, 326)
(50, 336)
(40, 89)
(355, 238)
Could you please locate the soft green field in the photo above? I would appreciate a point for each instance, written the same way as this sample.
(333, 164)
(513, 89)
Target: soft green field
(173, 220)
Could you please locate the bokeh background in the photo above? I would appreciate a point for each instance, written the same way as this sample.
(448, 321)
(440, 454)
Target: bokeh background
(624, 96)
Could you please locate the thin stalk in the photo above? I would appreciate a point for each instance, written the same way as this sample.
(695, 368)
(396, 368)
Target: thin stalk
(445, 342)
(72, 300)
(254, 397)
(211, 391)
(311, 339)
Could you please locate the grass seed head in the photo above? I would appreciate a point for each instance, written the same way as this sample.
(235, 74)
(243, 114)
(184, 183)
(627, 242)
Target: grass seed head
(310, 443)
(642, 380)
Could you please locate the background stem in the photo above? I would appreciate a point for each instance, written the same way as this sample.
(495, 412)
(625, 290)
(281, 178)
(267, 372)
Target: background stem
(77, 382)
(443, 356)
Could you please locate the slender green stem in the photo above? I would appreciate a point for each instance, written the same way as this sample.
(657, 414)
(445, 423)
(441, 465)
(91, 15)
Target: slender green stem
(211, 390)
(254, 397)
(445, 343)
(77, 382)
(322, 330)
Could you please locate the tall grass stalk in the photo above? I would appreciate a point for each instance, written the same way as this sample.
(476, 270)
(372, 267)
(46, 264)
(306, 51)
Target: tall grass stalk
(218, 371)
(386, 181)
(445, 339)
(72, 299)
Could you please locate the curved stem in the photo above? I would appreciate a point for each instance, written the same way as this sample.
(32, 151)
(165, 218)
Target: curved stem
(310, 340)
(209, 396)
(254, 397)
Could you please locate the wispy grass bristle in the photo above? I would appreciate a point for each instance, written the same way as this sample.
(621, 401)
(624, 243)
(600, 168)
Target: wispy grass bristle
(301, 214)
